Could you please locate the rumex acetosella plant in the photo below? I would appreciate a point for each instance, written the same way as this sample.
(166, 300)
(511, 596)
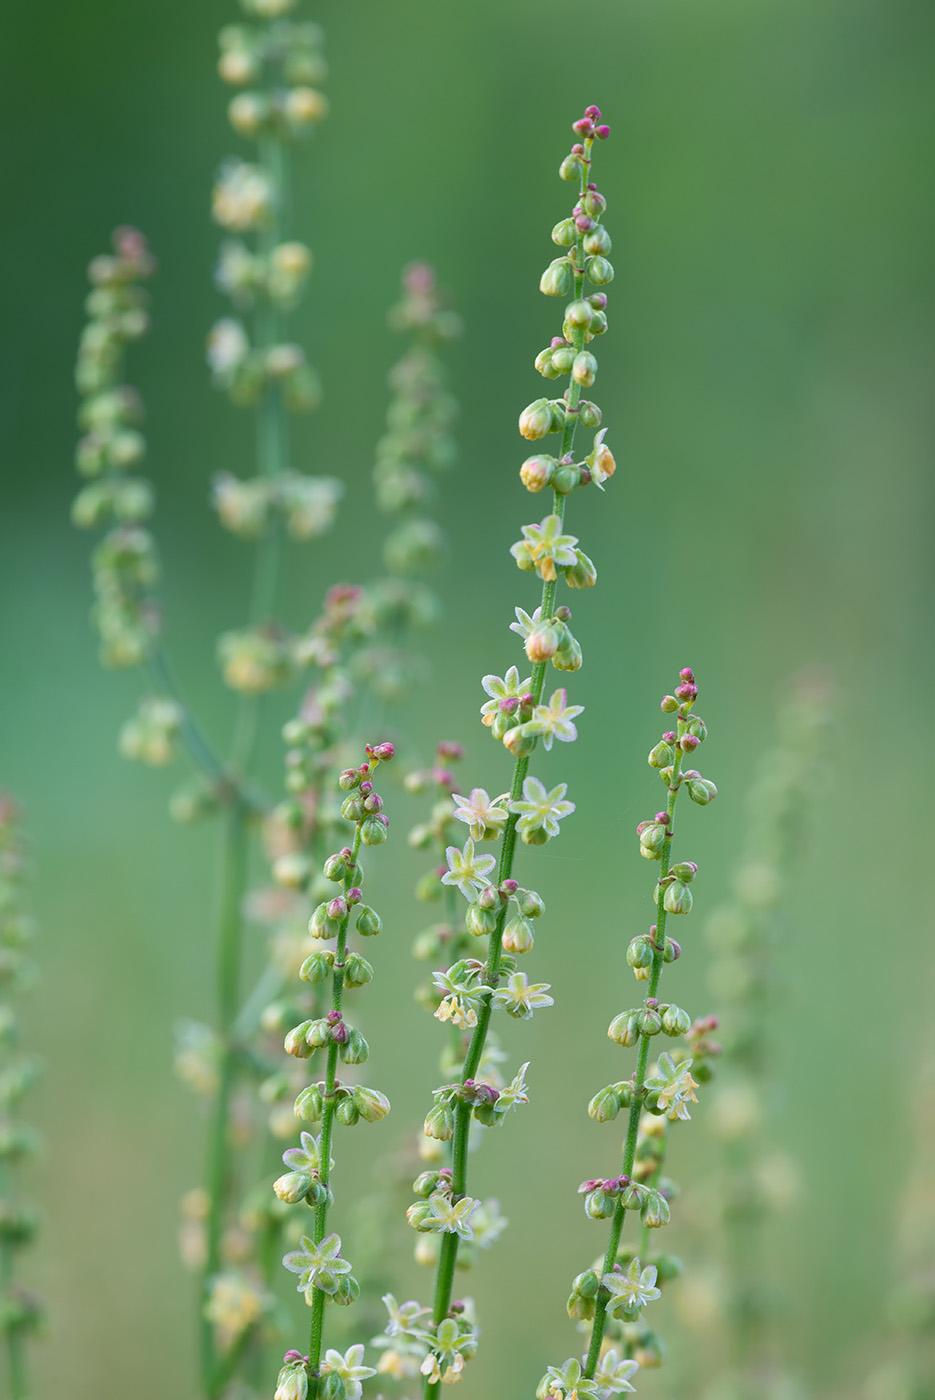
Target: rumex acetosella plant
(608, 1299)
(20, 1311)
(324, 1275)
(521, 716)
(276, 61)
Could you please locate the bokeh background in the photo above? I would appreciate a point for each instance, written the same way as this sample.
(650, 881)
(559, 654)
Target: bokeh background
(767, 386)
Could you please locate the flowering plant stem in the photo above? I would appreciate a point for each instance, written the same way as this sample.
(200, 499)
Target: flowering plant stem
(462, 1113)
(642, 1062)
(327, 1117)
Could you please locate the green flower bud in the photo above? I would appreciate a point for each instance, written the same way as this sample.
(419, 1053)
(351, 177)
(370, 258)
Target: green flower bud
(600, 272)
(672, 951)
(335, 867)
(350, 778)
(584, 369)
(309, 1105)
(521, 740)
(669, 705)
(371, 1104)
(439, 1122)
(295, 1042)
(652, 839)
(557, 280)
(318, 1033)
(565, 233)
(675, 1021)
(318, 1193)
(649, 1022)
(529, 903)
(685, 870)
(677, 898)
(317, 968)
(368, 921)
(331, 1386)
(535, 421)
(633, 1197)
(568, 657)
(655, 1212)
(518, 936)
(598, 1205)
(605, 1105)
(580, 1309)
(624, 1029)
(480, 922)
(640, 951)
(373, 830)
(565, 479)
(544, 364)
(427, 1183)
(347, 1112)
(625, 1092)
(589, 415)
(697, 728)
(570, 168)
(597, 241)
(291, 1187)
(357, 971)
(701, 790)
(320, 925)
(355, 1050)
(587, 1284)
(536, 836)
(581, 574)
(661, 756)
(352, 808)
(418, 1213)
(578, 314)
(563, 357)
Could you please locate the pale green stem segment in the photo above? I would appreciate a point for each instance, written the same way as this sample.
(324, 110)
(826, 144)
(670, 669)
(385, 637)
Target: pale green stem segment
(272, 460)
(327, 1122)
(15, 1344)
(639, 1079)
(448, 1256)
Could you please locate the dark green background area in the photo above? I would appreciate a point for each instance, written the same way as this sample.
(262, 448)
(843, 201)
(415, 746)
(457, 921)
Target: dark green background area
(766, 383)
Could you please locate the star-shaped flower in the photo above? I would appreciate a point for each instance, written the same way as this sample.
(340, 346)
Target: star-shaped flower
(546, 546)
(566, 1381)
(462, 999)
(524, 623)
(305, 1159)
(554, 720)
(540, 809)
(447, 1218)
(486, 818)
(403, 1317)
(520, 998)
(467, 871)
(632, 1290)
(674, 1085)
(613, 1374)
(508, 687)
(348, 1367)
(515, 1092)
(317, 1265)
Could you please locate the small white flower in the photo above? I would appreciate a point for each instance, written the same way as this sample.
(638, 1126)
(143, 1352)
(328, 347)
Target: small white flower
(632, 1290)
(554, 720)
(508, 687)
(541, 810)
(350, 1370)
(485, 818)
(227, 346)
(614, 1374)
(521, 998)
(467, 871)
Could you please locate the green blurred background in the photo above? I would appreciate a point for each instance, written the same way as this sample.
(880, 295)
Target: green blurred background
(766, 384)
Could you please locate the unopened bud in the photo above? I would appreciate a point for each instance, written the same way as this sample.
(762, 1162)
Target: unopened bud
(357, 971)
(624, 1029)
(605, 1105)
(557, 280)
(309, 1105)
(535, 421)
(581, 574)
(373, 830)
(676, 1021)
(701, 790)
(317, 968)
(518, 935)
(537, 472)
(677, 898)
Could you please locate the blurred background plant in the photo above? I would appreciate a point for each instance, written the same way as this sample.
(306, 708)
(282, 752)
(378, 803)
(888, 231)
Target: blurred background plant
(774, 286)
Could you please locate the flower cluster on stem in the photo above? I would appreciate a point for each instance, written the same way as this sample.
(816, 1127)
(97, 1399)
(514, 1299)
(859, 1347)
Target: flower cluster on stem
(20, 1311)
(609, 1298)
(518, 715)
(324, 1276)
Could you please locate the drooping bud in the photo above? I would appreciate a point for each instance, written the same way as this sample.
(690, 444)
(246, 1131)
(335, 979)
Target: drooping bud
(537, 472)
(535, 421)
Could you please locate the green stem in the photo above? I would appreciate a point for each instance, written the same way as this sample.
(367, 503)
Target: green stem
(233, 866)
(448, 1255)
(639, 1079)
(327, 1122)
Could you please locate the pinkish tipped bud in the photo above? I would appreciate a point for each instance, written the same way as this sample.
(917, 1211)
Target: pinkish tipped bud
(537, 472)
(668, 704)
(663, 817)
(354, 895)
(337, 908)
(687, 674)
(584, 223)
(366, 787)
(594, 113)
(333, 1017)
(450, 749)
(583, 126)
(602, 132)
(689, 742)
(510, 705)
(669, 736)
(383, 752)
(508, 887)
(686, 692)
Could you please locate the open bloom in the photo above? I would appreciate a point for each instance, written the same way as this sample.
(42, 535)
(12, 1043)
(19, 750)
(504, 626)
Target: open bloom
(521, 998)
(350, 1370)
(508, 687)
(540, 810)
(613, 1374)
(554, 720)
(632, 1290)
(317, 1265)
(444, 1217)
(544, 546)
(467, 871)
(485, 818)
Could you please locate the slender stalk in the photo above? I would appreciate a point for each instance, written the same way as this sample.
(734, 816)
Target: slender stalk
(327, 1118)
(462, 1114)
